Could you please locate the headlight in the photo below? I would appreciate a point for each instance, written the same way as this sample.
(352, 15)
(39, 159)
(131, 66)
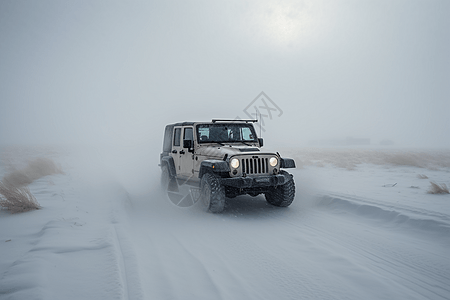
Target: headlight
(273, 161)
(234, 163)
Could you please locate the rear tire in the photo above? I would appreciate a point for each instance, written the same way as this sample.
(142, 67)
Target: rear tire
(282, 195)
(212, 193)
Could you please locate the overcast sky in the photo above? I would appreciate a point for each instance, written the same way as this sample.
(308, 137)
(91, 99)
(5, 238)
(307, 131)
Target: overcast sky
(116, 70)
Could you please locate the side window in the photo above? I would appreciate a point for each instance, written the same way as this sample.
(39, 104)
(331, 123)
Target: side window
(247, 134)
(176, 137)
(188, 134)
(168, 139)
(203, 134)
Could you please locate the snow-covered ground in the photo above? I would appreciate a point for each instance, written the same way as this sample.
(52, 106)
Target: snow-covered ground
(107, 231)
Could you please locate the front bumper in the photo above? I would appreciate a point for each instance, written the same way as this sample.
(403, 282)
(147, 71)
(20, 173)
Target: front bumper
(256, 181)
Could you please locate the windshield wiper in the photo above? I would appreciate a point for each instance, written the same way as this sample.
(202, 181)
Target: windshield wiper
(245, 143)
(217, 143)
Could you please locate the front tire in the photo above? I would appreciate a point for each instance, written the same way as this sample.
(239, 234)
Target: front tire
(284, 194)
(212, 193)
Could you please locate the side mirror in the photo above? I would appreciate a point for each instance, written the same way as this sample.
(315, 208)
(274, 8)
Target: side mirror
(188, 144)
(261, 142)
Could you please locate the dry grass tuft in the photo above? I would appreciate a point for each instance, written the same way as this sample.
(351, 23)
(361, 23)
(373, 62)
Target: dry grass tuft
(35, 169)
(437, 188)
(17, 199)
(14, 195)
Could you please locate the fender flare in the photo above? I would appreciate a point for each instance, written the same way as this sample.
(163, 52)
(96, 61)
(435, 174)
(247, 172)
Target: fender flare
(287, 163)
(213, 166)
(168, 161)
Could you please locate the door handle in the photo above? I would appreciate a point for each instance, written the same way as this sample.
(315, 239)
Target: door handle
(174, 151)
(182, 152)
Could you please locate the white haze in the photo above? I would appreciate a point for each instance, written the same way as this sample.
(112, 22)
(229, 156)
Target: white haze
(105, 77)
(117, 72)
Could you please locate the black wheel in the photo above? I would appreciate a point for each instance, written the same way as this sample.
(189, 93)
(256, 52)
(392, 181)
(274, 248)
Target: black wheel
(212, 193)
(284, 194)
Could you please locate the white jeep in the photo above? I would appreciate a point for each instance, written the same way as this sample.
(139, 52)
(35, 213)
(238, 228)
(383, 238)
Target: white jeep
(223, 158)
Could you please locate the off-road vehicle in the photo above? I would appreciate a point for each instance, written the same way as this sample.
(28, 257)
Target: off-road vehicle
(223, 158)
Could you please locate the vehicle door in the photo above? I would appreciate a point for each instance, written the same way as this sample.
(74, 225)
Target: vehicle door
(187, 153)
(176, 148)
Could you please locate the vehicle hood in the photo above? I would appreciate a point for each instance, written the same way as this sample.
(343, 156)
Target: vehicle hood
(219, 152)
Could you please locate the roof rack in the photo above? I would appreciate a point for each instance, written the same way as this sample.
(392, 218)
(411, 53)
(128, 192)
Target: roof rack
(224, 120)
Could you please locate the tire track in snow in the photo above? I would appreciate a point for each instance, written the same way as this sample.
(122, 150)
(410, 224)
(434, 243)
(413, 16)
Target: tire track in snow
(125, 258)
(301, 252)
(125, 269)
(127, 265)
(292, 274)
(260, 268)
(424, 274)
(413, 269)
(419, 264)
(227, 283)
(176, 270)
(403, 209)
(121, 265)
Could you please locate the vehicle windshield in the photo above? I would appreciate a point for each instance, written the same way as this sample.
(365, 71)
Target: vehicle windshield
(225, 133)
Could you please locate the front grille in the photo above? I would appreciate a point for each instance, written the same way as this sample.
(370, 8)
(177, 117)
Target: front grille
(255, 165)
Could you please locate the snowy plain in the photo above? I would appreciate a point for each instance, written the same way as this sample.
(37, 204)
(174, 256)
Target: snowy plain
(363, 230)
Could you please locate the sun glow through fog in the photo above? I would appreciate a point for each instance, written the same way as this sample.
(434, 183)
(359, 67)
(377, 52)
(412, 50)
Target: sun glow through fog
(92, 71)
(285, 26)
(288, 24)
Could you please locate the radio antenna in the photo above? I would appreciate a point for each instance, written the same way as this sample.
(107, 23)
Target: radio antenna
(260, 126)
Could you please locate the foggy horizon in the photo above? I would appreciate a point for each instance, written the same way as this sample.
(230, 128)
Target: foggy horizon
(104, 72)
